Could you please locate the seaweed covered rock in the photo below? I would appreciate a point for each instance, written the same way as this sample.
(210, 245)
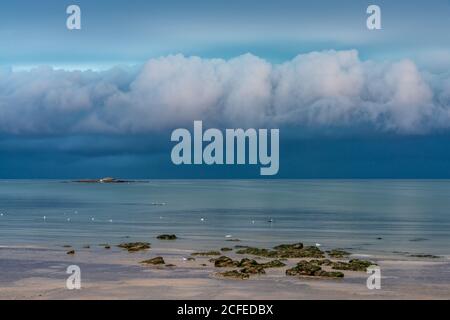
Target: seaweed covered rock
(234, 274)
(71, 252)
(352, 265)
(329, 274)
(134, 246)
(154, 261)
(258, 269)
(226, 249)
(308, 268)
(167, 237)
(295, 246)
(338, 253)
(296, 250)
(207, 253)
(273, 264)
(322, 262)
(247, 263)
(256, 252)
(304, 268)
(224, 262)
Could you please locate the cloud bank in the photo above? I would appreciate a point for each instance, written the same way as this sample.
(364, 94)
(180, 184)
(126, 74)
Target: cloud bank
(318, 90)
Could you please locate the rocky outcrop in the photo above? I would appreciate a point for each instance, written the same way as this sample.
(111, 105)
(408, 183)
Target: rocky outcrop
(167, 237)
(352, 265)
(308, 268)
(338, 253)
(134, 246)
(154, 261)
(296, 250)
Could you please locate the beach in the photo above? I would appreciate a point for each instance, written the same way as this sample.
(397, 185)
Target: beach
(41, 274)
(400, 226)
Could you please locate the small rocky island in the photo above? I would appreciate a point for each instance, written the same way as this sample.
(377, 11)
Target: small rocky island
(104, 180)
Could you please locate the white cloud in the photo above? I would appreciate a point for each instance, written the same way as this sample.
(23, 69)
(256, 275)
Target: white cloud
(315, 90)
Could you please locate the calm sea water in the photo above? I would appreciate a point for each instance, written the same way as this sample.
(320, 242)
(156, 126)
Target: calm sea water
(412, 216)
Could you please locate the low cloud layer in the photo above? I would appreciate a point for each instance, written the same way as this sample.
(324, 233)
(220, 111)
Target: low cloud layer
(319, 90)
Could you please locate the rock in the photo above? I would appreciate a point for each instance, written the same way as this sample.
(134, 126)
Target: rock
(322, 262)
(224, 262)
(86, 247)
(154, 261)
(71, 252)
(234, 274)
(134, 246)
(304, 268)
(247, 263)
(226, 249)
(167, 237)
(233, 240)
(295, 246)
(170, 265)
(256, 252)
(329, 274)
(352, 265)
(67, 246)
(308, 268)
(273, 264)
(338, 253)
(207, 253)
(253, 270)
(429, 256)
(285, 251)
(107, 247)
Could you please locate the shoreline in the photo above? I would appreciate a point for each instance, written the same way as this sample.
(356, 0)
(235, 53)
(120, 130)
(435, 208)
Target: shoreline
(40, 273)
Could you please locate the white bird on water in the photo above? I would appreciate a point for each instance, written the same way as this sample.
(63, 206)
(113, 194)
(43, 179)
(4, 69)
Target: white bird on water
(202, 219)
(318, 244)
(228, 236)
(92, 219)
(45, 218)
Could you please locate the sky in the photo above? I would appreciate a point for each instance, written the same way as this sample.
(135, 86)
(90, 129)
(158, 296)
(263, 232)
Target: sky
(102, 101)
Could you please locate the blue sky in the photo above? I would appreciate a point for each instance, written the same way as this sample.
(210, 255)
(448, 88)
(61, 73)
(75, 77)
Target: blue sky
(350, 103)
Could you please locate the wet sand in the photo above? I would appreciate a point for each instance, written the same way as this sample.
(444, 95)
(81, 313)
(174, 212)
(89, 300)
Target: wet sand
(40, 273)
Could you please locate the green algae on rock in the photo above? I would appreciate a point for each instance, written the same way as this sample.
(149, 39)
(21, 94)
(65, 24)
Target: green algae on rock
(134, 246)
(352, 265)
(234, 274)
(308, 268)
(296, 250)
(338, 253)
(154, 261)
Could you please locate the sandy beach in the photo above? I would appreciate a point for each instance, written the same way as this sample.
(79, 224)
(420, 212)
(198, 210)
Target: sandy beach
(40, 273)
